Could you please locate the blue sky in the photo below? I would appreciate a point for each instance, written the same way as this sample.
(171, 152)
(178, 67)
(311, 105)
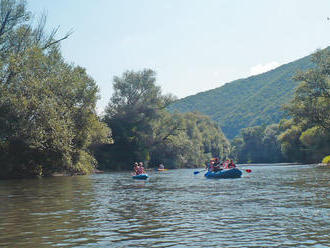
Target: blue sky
(193, 45)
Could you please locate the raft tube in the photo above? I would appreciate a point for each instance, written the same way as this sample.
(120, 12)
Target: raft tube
(141, 176)
(226, 173)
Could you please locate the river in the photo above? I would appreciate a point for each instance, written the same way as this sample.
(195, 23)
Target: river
(273, 206)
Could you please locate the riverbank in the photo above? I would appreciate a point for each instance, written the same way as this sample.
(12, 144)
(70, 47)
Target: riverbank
(64, 174)
(322, 164)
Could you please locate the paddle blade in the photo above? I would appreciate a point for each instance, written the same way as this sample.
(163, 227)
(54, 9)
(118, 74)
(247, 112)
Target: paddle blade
(248, 170)
(196, 172)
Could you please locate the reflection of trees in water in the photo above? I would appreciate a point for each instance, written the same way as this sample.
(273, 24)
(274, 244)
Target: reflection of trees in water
(46, 210)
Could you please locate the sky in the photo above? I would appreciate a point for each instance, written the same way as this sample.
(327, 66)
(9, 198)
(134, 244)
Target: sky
(193, 45)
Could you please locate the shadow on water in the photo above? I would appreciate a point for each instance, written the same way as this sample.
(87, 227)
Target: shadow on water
(274, 206)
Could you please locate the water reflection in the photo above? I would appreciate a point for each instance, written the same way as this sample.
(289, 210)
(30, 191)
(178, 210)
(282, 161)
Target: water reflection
(38, 210)
(279, 206)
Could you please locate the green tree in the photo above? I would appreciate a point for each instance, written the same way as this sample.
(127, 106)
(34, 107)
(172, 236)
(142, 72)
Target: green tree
(197, 139)
(311, 103)
(143, 129)
(135, 107)
(258, 144)
(307, 137)
(47, 107)
(271, 145)
(253, 146)
(291, 146)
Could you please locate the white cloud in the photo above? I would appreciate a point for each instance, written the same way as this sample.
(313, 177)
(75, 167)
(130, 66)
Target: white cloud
(261, 68)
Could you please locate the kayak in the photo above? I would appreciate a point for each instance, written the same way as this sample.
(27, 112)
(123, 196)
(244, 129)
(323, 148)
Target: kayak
(161, 169)
(226, 173)
(141, 176)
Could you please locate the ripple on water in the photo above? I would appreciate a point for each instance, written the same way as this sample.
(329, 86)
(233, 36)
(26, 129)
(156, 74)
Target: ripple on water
(274, 206)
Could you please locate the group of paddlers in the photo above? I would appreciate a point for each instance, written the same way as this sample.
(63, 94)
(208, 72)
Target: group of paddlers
(214, 165)
(217, 165)
(138, 168)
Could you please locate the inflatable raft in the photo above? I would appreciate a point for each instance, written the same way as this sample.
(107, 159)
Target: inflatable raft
(141, 176)
(226, 173)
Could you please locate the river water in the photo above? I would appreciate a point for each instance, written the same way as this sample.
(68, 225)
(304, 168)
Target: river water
(274, 206)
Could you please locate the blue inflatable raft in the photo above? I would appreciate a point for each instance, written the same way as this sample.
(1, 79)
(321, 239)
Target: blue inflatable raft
(226, 173)
(141, 176)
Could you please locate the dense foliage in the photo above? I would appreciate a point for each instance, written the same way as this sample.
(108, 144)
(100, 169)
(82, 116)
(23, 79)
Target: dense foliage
(249, 102)
(306, 136)
(258, 144)
(47, 106)
(197, 140)
(143, 130)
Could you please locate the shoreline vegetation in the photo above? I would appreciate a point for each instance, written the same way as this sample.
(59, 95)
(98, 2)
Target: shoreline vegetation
(49, 125)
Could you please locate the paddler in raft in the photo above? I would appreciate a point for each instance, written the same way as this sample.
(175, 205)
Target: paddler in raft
(210, 166)
(217, 165)
(214, 165)
(136, 168)
(141, 169)
(229, 164)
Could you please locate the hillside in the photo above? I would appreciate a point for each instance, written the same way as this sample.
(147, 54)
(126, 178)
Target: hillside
(247, 102)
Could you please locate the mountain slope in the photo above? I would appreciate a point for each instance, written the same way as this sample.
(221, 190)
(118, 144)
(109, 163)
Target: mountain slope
(256, 100)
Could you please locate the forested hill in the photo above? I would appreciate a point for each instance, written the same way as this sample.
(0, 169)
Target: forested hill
(247, 102)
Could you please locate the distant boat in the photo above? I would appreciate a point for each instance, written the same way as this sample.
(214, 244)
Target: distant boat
(161, 168)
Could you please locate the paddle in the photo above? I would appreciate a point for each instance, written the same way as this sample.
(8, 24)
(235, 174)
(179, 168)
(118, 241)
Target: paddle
(196, 172)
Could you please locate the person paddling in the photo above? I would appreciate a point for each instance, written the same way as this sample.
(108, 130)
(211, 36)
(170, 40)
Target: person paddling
(225, 164)
(136, 168)
(141, 169)
(231, 165)
(217, 165)
(211, 165)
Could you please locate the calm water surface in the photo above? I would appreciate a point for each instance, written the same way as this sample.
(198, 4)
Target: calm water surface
(274, 206)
